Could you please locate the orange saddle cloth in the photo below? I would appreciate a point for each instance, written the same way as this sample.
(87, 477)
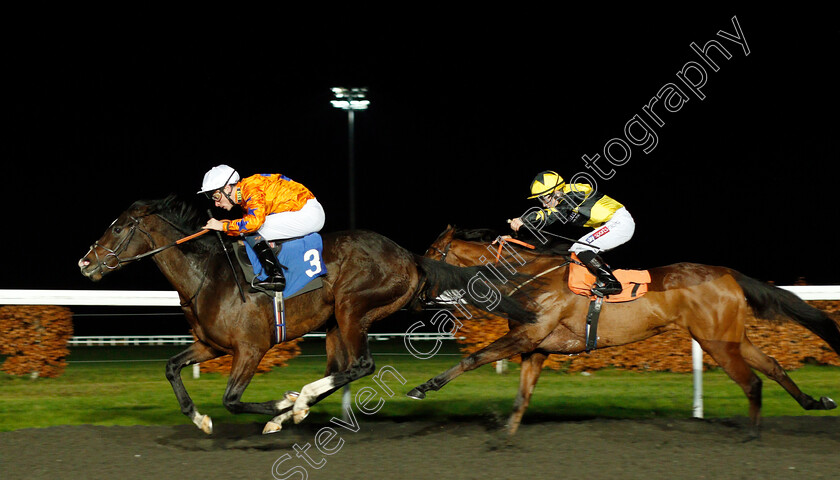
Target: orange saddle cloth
(634, 283)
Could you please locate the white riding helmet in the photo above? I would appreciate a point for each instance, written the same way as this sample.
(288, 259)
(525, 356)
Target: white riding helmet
(218, 177)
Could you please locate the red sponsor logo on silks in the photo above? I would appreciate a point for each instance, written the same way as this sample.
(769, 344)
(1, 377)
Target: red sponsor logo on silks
(598, 234)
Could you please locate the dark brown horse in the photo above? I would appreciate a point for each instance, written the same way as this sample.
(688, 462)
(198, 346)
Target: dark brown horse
(368, 278)
(712, 303)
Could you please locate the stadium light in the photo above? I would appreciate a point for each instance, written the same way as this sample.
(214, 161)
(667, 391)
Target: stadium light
(350, 100)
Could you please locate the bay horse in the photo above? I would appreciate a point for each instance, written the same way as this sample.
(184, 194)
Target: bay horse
(712, 303)
(368, 278)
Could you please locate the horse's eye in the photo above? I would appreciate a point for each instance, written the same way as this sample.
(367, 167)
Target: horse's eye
(118, 230)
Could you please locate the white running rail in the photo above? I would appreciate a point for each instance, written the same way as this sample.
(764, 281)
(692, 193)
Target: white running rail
(171, 299)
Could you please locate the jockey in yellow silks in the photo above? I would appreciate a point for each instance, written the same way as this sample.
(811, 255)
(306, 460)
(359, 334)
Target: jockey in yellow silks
(580, 205)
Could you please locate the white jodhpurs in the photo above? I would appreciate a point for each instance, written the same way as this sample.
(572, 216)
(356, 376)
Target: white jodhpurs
(279, 226)
(618, 229)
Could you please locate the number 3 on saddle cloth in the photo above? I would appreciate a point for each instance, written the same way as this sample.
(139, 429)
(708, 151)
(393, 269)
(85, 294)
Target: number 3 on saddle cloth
(302, 261)
(634, 284)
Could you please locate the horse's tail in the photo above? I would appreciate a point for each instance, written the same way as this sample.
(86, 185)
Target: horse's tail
(471, 284)
(769, 302)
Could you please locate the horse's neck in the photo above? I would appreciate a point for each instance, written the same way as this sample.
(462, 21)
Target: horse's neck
(471, 253)
(185, 272)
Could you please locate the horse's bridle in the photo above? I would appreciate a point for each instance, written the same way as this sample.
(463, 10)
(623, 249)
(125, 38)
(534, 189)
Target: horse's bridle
(123, 244)
(443, 252)
(114, 253)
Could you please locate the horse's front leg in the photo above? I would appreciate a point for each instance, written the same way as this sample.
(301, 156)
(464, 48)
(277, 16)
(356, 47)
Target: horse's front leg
(532, 364)
(195, 353)
(512, 343)
(246, 359)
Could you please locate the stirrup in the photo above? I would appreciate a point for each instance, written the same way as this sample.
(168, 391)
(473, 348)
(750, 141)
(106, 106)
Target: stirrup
(602, 289)
(275, 284)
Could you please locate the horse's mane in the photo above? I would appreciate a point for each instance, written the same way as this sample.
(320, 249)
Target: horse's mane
(475, 234)
(185, 214)
(488, 235)
(177, 210)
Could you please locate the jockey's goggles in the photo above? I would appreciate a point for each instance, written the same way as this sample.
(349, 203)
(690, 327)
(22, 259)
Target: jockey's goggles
(215, 195)
(546, 199)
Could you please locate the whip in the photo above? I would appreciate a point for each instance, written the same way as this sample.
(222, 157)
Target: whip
(230, 262)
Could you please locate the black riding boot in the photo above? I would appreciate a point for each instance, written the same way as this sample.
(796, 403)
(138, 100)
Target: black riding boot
(605, 281)
(275, 281)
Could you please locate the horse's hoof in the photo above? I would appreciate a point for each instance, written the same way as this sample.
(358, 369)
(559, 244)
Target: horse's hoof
(416, 394)
(204, 423)
(828, 403)
(299, 415)
(272, 427)
(291, 395)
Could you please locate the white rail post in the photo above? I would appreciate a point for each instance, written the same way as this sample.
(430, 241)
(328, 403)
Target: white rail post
(697, 367)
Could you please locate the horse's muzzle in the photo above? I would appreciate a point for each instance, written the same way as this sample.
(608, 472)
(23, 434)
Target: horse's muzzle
(90, 269)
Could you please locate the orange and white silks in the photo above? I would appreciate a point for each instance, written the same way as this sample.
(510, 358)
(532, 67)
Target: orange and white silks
(263, 195)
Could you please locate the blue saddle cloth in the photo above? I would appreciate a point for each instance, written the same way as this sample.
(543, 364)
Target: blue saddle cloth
(302, 259)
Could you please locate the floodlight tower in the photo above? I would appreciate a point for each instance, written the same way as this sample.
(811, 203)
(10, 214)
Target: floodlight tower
(351, 99)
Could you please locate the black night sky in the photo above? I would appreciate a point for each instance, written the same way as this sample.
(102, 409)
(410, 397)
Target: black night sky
(464, 112)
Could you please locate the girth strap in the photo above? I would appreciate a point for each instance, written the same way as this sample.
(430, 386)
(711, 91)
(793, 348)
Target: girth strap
(279, 316)
(592, 323)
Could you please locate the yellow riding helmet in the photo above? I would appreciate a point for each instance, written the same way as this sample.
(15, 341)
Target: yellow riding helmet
(546, 182)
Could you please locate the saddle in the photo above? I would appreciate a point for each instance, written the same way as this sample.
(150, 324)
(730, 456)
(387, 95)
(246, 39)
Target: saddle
(300, 258)
(634, 284)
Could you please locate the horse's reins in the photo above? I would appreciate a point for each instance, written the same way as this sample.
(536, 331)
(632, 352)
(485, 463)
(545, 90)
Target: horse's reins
(503, 240)
(160, 249)
(115, 252)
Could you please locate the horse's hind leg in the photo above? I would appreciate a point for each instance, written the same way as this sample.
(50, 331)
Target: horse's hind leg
(354, 313)
(336, 361)
(336, 353)
(195, 353)
(770, 367)
(728, 356)
(362, 364)
(337, 357)
(314, 392)
(349, 350)
(532, 364)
